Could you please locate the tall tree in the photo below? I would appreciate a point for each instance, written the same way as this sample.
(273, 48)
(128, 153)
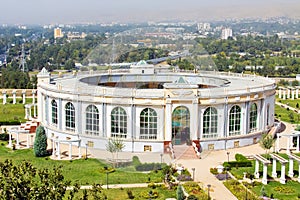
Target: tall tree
(40, 142)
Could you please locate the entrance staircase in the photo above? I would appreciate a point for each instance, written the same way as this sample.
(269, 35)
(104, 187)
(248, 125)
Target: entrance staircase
(185, 152)
(30, 126)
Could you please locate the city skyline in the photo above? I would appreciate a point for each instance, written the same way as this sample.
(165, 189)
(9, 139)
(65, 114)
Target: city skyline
(93, 11)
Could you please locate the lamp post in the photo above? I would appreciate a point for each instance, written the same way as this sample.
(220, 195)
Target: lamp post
(208, 188)
(107, 180)
(228, 153)
(161, 155)
(193, 169)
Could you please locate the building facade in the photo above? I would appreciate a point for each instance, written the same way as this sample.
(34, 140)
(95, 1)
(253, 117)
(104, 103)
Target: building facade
(151, 111)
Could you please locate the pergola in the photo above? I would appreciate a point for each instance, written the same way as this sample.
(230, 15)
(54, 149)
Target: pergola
(56, 141)
(18, 131)
(289, 144)
(293, 157)
(283, 163)
(28, 110)
(265, 162)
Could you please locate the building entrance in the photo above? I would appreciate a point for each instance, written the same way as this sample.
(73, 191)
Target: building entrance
(181, 126)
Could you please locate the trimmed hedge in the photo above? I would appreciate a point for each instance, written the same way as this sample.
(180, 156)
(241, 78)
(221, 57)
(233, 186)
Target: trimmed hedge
(237, 164)
(15, 122)
(148, 166)
(240, 157)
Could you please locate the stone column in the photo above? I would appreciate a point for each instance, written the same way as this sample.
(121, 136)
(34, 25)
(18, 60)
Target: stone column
(293, 94)
(264, 179)
(284, 94)
(291, 168)
(168, 128)
(282, 177)
(26, 112)
(297, 147)
(288, 145)
(4, 97)
(34, 110)
(18, 141)
(58, 150)
(53, 147)
(256, 173)
(274, 173)
(279, 93)
(24, 96)
(288, 93)
(14, 96)
(297, 93)
(10, 139)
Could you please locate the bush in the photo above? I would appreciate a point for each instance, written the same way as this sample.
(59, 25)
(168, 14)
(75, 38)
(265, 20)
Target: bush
(214, 171)
(237, 164)
(147, 166)
(40, 142)
(130, 195)
(4, 137)
(14, 122)
(183, 177)
(240, 157)
(135, 161)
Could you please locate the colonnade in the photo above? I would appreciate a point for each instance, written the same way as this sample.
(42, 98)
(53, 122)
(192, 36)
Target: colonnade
(56, 149)
(289, 142)
(288, 93)
(14, 96)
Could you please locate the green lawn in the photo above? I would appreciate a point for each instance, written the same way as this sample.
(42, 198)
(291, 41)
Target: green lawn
(284, 115)
(86, 172)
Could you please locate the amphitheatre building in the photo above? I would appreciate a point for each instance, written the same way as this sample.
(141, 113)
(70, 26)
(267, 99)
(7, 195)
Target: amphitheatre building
(156, 110)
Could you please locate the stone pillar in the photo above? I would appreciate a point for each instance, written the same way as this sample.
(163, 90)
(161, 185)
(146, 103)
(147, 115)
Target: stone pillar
(291, 168)
(297, 93)
(282, 177)
(14, 96)
(34, 111)
(274, 173)
(284, 94)
(256, 173)
(288, 94)
(10, 139)
(279, 93)
(297, 147)
(26, 112)
(4, 97)
(70, 150)
(18, 141)
(24, 96)
(168, 128)
(264, 179)
(293, 94)
(33, 96)
(53, 147)
(58, 150)
(288, 145)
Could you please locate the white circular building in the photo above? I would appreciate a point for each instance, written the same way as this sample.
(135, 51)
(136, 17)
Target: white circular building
(150, 110)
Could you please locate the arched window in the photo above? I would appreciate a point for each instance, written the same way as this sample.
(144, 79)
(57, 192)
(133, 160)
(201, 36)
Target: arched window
(235, 121)
(253, 117)
(210, 123)
(54, 112)
(70, 116)
(92, 120)
(148, 124)
(118, 123)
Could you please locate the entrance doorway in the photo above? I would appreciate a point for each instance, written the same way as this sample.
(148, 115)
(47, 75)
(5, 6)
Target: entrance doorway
(181, 125)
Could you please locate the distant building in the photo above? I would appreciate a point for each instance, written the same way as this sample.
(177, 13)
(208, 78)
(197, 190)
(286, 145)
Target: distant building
(203, 27)
(58, 33)
(226, 33)
(76, 35)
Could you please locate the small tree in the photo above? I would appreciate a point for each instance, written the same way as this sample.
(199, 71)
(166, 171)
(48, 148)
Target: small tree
(40, 142)
(179, 193)
(266, 142)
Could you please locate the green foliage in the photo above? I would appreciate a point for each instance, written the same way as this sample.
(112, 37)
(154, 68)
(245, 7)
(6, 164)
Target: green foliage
(213, 171)
(238, 190)
(23, 181)
(149, 195)
(192, 197)
(147, 166)
(179, 193)
(240, 157)
(135, 161)
(4, 136)
(266, 142)
(284, 189)
(40, 142)
(237, 164)
(130, 194)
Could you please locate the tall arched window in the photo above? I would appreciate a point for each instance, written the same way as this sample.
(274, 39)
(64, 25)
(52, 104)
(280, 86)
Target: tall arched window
(148, 124)
(70, 116)
(210, 123)
(253, 117)
(54, 112)
(92, 120)
(235, 121)
(118, 123)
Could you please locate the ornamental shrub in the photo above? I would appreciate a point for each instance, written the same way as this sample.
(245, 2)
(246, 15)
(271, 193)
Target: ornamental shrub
(240, 157)
(40, 142)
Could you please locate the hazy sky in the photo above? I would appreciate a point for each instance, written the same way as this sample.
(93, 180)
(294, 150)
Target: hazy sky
(78, 11)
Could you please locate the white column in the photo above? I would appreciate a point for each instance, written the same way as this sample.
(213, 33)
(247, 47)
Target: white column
(24, 96)
(284, 94)
(298, 171)
(297, 93)
(14, 96)
(168, 128)
(18, 144)
(288, 94)
(293, 94)
(58, 150)
(274, 173)
(288, 145)
(291, 168)
(282, 177)
(194, 121)
(53, 147)
(10, 142)
(29, 109)
(4, 97)
(256, 173)
(26, 113)
(34, 110)
(70, 150)
(264, 179)
(279, 93)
